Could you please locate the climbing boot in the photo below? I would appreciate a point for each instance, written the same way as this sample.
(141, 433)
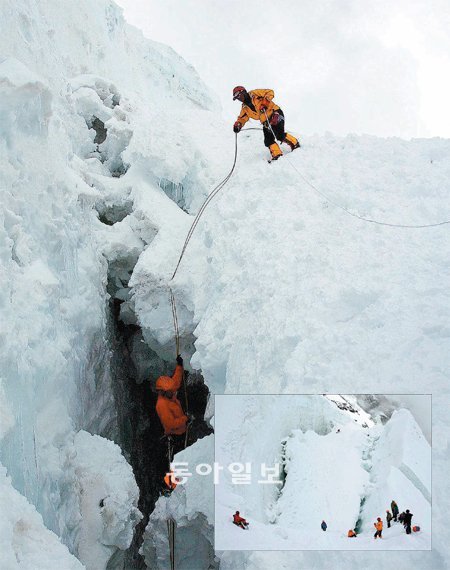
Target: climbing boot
(275, 151)
(291, 141)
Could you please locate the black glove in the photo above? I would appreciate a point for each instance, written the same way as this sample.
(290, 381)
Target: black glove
(237, 127)
(179, 360)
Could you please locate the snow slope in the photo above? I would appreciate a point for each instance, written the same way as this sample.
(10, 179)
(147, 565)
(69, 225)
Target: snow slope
(313, 298)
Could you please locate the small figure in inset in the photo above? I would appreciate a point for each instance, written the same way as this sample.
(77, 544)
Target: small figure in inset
(407, 521)
(239, 521)
(394, 509)
(378, 528)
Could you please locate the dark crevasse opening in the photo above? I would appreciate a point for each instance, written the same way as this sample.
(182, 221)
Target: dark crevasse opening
(134, 369)
(112, 157)
(100, 130)
(359, 522)
(111, 214)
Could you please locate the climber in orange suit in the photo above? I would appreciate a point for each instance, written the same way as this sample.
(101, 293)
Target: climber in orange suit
(240, 521)
(171, 481)
(258, 104)
(168, 407)
(379, 528)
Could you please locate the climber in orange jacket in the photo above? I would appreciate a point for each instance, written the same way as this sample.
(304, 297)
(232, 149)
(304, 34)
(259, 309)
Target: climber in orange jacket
(171, 481)
(239, 521)
(379, 528)
(168, 406)
(258, 104)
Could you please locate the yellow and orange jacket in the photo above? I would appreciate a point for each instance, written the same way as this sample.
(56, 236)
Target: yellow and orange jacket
(168, 408)
(258, 97)
(379, 525)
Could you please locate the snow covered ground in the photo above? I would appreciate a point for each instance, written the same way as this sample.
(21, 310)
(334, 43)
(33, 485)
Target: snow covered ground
(346, 477)
(282, 291)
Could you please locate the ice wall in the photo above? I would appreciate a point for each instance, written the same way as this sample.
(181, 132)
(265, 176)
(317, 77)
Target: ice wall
(317, 490)
(91, 123)
(191, 506)
(25, 541)
(53, 303)
(298, 433)
(108, 499)
(401, 471)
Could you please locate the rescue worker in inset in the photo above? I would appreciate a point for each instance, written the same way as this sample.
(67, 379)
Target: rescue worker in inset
(394, 509)
(351, 534)
(258, 105)
(168, 407)
(379, 528)
(324, 526)
(407, 521)
(388, 518)
(239, 521)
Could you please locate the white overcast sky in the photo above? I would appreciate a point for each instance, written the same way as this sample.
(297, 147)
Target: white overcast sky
(345, 66)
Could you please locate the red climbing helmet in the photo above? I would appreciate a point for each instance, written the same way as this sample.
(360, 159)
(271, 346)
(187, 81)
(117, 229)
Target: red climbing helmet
(237, 91)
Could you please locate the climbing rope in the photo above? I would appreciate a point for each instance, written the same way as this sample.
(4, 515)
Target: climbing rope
(215, 191)
(187, 411)
(212, 195)
(364, 219)
(177, 351)
(169, 450)
(175, 321)
(343, 208)
(171, 535)
(186, 436)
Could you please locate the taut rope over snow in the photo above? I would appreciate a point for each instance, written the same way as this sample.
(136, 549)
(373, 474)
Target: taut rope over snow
(369, 220)
(411, 226)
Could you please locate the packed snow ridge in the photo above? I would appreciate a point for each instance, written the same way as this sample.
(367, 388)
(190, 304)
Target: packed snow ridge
(109, 144)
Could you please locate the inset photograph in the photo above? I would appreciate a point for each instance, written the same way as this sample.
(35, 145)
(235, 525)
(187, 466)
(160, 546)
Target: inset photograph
(323, 472)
